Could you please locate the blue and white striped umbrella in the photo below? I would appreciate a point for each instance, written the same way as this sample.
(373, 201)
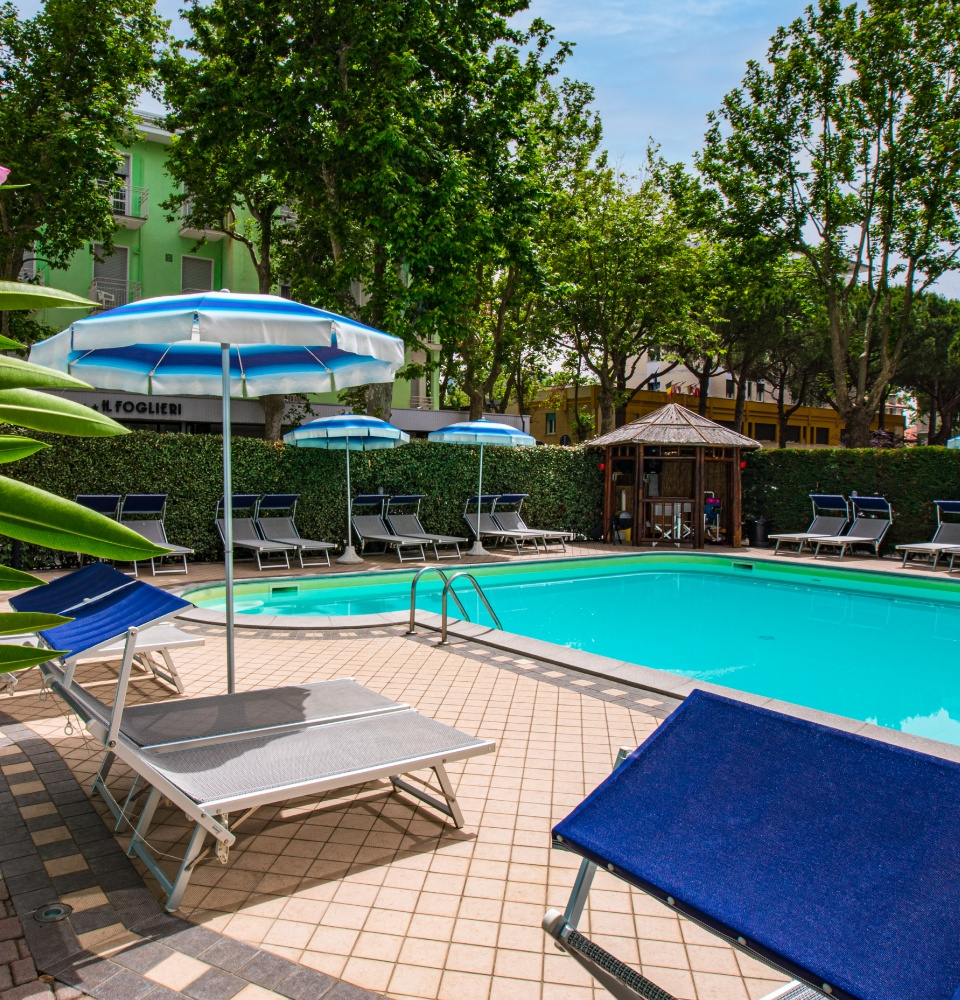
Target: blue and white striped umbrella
(482, 432)
(347, 432)
(222, 344)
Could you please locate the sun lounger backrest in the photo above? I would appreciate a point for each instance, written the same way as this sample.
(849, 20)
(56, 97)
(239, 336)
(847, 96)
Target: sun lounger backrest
(948, 533)
(368, 525)
(277, 527)
(151, 529)
(868, 527)
(510, 520)
(827, 525)
(406, 524)
(144, 503)
(244, 530)
(107, 504)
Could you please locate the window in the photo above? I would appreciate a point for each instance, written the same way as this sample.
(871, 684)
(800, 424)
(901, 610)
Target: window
(551, 424)
(793, 434)
(761, 389)
(285, 290)
(765, 432)
(565, 441)
(196, 274)
(654, 384)
(823, 435)
(731, 388)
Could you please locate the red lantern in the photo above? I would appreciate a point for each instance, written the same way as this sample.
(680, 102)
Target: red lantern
(743, 465)
(602, 466)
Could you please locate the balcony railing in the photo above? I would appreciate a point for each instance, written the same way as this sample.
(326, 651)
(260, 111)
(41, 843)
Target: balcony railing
(109, 293)
(420, 402)
(129, 205)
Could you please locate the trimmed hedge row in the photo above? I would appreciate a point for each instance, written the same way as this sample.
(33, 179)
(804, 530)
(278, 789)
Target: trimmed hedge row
(565, 485)
(776, 485)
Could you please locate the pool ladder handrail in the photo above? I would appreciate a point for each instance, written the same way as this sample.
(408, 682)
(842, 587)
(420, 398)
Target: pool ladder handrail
(413, 596)
(448, 587)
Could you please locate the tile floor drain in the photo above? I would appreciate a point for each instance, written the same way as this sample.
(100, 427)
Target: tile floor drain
(50, 913)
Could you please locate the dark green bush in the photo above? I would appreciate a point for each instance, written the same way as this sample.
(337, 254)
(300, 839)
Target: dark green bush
(776, 484)
(565, 485)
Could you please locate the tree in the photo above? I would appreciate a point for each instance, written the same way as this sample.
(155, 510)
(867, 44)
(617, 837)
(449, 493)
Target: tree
(628, 277)
(843, 148)
(930, 369)
(69, 80)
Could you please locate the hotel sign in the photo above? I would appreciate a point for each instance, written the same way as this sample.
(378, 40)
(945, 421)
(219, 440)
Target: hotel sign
(129, 407)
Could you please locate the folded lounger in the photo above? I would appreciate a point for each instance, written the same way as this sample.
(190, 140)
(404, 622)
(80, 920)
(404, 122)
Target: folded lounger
(101, 589)
(371, 528)
(511, 520)
(144, 513)
(872, 518)
(245, 534)
(827, 855)
(283, 529)
(831, 513)
(945, 541)
(209, 770)
(409, 525)
(489, 528)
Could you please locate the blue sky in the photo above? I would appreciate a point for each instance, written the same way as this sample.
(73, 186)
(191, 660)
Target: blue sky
(658, 66)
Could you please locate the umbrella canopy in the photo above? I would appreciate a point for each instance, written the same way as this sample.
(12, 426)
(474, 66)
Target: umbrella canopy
(219, 343)
(482, 432)
(195, 368)
(675, 424)
(347, 432)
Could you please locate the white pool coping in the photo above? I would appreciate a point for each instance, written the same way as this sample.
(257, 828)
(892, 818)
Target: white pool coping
(633, 675)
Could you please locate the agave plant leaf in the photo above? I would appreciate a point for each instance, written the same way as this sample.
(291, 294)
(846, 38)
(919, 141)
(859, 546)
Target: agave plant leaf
(33, 515)
(13, 448)
(21, 657)
(25, 622)
(15, 579)
(42, 412)
(18, 295)
(15, 373)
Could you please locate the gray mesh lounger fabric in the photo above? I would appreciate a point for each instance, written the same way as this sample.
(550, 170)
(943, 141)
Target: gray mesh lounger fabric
(946, 538)
(284, 531)
(370, 528)
(490, 529)
(863, 531)
(194, 719)
(822, 526)
(153, 530)
(409, 524)
(245, 537)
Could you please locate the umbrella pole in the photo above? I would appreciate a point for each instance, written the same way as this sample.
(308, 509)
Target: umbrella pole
(349, 556)
(477, 549)
(228, 515)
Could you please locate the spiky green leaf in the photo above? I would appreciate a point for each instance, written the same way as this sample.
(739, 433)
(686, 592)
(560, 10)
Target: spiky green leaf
(6, 344)
(16, 373)
(17, 295)
(13, 448)
(14, 579)
(25, 622)
(39, 517)
(42, 412)
(21, 657)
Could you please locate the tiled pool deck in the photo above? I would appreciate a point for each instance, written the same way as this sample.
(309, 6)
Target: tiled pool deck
(364, 887)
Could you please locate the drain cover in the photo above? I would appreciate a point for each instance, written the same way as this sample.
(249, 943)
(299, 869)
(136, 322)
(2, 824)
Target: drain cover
(766, 637)
(50, 913)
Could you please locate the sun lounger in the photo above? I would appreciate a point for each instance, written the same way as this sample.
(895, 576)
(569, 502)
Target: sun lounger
(489, 528)
(246, 536)
(283, 529)
(372, 528)
(872, 518)
(144, 513)
(409, 525)
(107, 504)
(831, 513)
(121, 601)
(235, 753)
(511, 520)
(945, 538)
(824, 854)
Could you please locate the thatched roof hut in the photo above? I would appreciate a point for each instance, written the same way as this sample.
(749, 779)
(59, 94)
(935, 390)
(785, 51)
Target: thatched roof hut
(673, 478)
(676, 425)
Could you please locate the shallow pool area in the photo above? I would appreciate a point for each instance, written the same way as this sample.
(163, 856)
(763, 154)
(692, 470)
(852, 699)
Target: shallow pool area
(879, 647)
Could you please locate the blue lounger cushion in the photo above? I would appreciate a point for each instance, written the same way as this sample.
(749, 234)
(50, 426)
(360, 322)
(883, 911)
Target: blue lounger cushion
(66, 591)
(110, 617)
(836, 857)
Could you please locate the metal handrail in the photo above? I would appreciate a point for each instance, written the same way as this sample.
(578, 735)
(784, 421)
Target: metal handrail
(413, 597)
(448, 587)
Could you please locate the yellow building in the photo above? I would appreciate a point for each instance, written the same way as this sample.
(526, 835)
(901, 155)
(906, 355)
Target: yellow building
(553, 417)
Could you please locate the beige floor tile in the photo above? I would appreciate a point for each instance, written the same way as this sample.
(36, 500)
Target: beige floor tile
(367, 973)
(179, 971)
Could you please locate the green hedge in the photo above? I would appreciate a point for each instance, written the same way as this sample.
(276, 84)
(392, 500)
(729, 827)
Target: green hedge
(776, 484)
(565, 485)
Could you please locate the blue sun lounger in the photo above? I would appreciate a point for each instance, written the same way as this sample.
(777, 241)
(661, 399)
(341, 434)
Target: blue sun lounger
(101, 589)
(827, 855)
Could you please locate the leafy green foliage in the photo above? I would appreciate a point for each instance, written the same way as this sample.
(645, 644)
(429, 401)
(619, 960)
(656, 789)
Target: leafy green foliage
(13, 447)
(39, 517)
(18, 374)
(20, 657)
(14, 579)
(565, 485)
(777, 484)
(24, 622)
(42, 412)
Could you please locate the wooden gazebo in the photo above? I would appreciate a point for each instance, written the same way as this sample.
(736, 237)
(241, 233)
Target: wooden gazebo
(673, 478)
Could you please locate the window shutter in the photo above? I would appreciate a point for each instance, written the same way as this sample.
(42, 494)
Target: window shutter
(196, 273)
(114, 267)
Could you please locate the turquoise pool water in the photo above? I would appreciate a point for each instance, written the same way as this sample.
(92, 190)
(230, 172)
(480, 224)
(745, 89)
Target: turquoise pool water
(870, 646)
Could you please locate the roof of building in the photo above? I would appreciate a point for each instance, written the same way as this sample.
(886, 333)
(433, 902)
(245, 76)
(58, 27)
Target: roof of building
(675, 424)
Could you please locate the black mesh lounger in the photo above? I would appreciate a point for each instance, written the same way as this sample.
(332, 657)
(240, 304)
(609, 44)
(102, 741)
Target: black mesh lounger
(144, 513)
(489, 528)
(409, 525)
(512, 521)
(370, 528)
(284, 529)
(246, 535)
(828, 522)
(945, 540)
(872, 520)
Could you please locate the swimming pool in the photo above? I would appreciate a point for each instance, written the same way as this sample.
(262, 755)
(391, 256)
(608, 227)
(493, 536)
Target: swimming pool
(872, 646)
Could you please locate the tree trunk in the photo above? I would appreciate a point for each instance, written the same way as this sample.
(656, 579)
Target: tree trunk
(380, 400)
(273, 410)
(704, 381)
(740, 405)
(476, 403)
(607, 411)
(858, 423)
